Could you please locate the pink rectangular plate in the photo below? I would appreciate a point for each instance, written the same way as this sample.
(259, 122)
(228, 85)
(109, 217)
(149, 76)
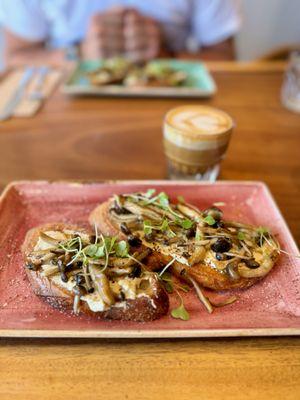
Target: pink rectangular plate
(271, 307)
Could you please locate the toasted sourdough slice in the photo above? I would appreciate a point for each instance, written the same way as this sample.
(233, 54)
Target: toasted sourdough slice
(121, 292)
(220, 256)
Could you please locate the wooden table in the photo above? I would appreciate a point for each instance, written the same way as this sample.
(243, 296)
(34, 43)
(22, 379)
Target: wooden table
(108, 138)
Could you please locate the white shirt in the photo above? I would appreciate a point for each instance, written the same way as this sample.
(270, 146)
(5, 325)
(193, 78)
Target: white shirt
(64, 22)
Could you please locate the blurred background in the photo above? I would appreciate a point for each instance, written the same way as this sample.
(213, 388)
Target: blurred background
(268, 26)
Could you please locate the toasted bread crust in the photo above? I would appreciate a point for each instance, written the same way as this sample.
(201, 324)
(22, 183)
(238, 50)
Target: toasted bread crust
(142, 309)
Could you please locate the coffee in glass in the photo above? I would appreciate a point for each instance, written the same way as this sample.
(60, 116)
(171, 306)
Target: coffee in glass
(195, 141)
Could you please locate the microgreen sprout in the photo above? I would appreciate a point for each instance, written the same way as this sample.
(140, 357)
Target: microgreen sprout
(160, 200)
(184, 223)
(241, 235)
(169, 284)
(121, 249)
(209, 219)
(163, 227)
(180, 312)
(150, 193)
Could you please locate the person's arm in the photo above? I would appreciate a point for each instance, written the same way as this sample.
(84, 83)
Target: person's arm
(220, 51)
(19, 51)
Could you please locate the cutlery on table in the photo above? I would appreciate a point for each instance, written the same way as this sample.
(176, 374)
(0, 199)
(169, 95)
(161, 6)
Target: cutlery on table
(37, 93)
(17, 94)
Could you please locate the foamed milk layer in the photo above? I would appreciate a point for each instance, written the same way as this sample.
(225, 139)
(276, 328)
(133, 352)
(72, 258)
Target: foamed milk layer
(195, 121)
(172, 136)
(197, 127)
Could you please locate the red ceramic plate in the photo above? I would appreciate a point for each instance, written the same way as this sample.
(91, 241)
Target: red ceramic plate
(271, 307)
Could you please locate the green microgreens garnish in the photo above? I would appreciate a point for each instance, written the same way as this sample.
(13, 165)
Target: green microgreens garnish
(180, 312)
(91, 250)
(73, 246)
(184, 223)
(147, 227)
(150, 193)
(262, 230)
(241, 235)
(104, 247)
(163, 200)
(122, 249)
(209, 220)
(169, 284)
(167, 281)
(163, 227)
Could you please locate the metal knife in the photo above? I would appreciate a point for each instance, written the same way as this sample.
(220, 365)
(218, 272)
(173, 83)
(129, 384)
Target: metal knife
(17, 95)
(37, 93)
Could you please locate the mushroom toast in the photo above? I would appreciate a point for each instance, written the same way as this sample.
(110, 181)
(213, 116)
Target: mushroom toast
(198, 246)
(102, 276)
(120, 71)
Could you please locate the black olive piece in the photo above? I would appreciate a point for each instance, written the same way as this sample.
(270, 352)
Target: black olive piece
(185, 254)
(134, 240)
(79, 279)
(252, 264)
(190, 233)
(221, 257)
(231, 269)
(215, 212)
(218, 224)
(69, 267)
(136, 272)
(221, 245)
(31, 267)
(125, 229)
(91, 290)
(64, 277)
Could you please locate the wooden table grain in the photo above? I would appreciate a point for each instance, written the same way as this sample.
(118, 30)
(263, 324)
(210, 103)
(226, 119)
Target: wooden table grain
(98, 139)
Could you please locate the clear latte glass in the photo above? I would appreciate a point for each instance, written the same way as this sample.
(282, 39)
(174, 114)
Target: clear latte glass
(195, 141)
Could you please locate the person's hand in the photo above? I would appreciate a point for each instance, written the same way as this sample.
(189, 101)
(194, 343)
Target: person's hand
(142, 37)
(104, 37)
(121, 31)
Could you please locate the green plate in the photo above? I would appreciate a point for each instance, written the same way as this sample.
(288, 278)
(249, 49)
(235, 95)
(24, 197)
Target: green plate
(199, 82)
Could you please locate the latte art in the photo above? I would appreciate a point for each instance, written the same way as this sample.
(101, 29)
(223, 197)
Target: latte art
(198, 120)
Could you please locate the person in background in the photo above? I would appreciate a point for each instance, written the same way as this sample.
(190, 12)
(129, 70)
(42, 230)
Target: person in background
(39, 30)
